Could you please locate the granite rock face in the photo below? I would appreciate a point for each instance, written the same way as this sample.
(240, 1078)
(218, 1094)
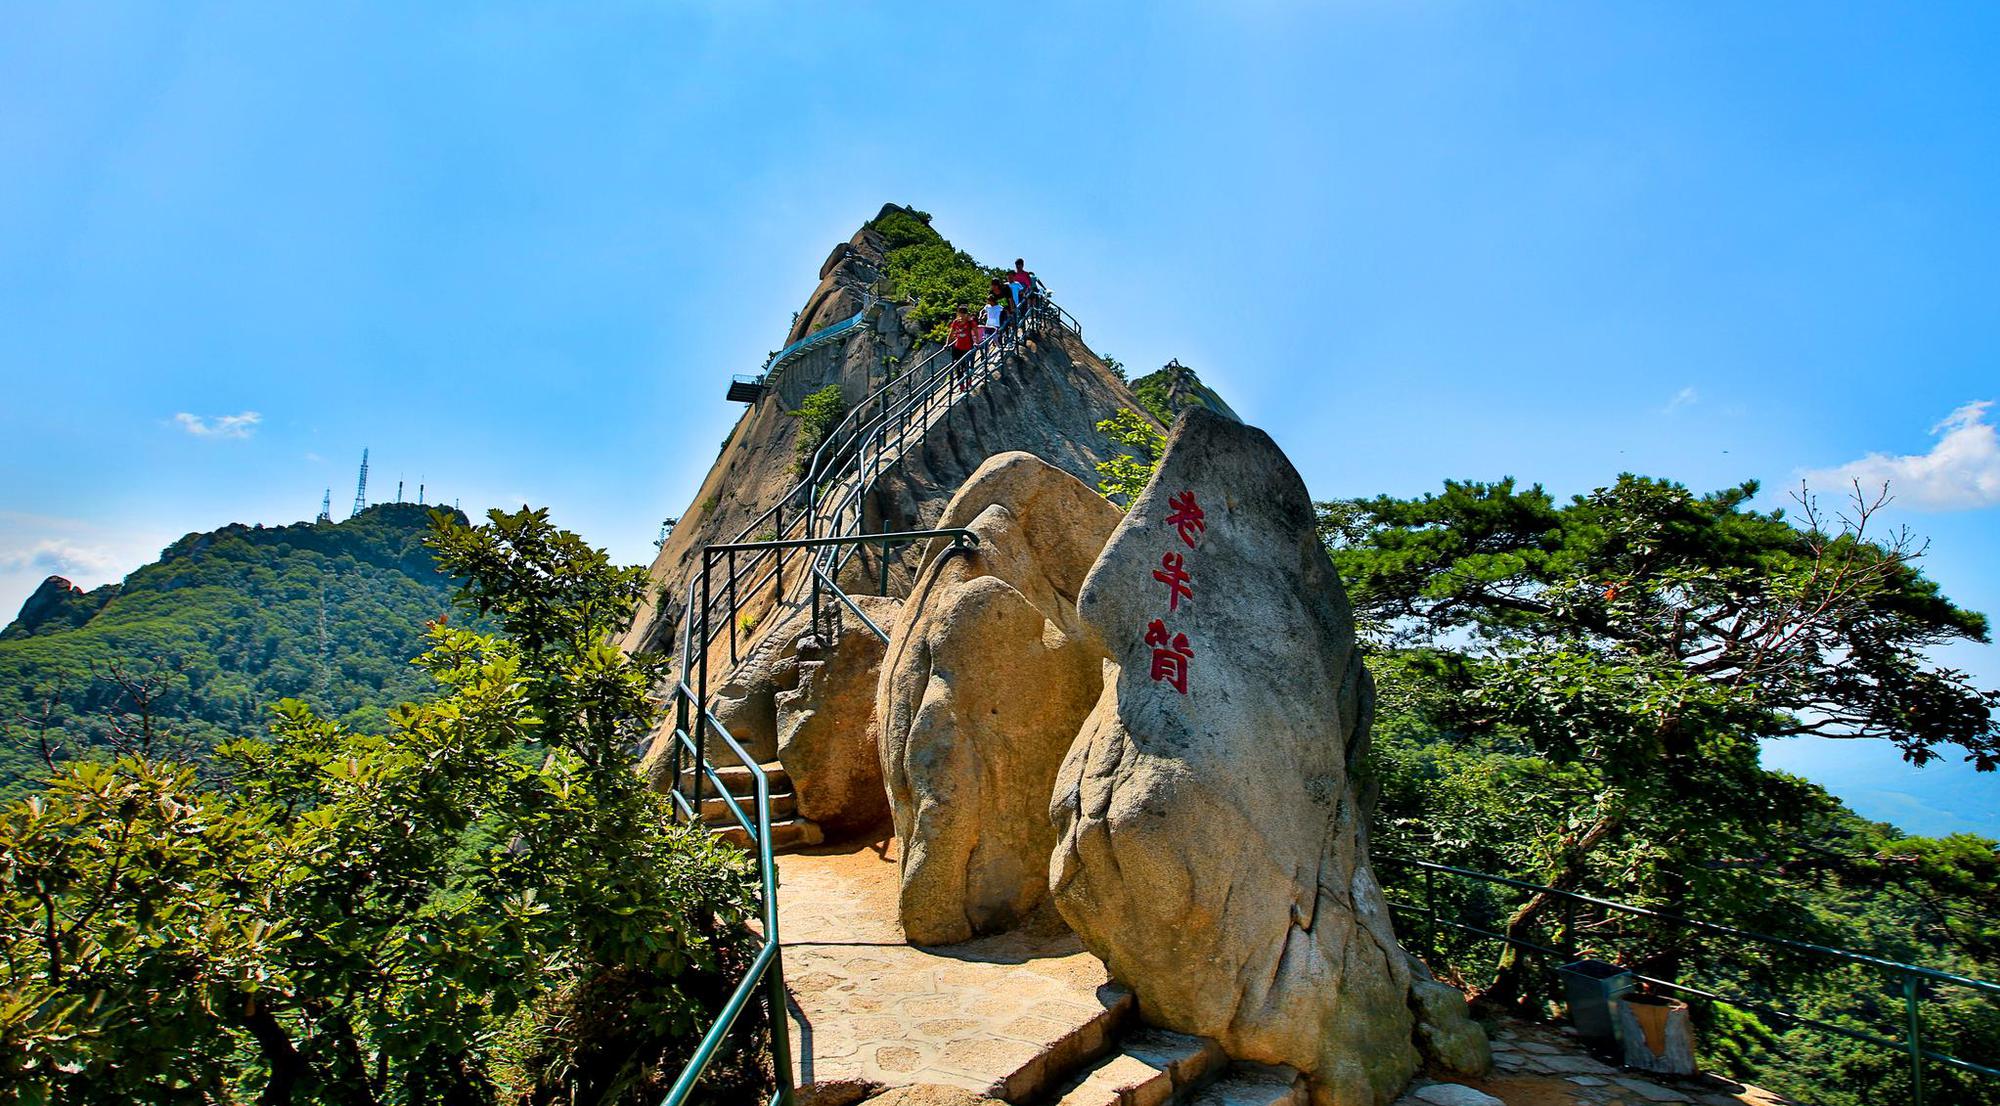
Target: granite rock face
(1213, 850)
(988, 676)
(825, 724)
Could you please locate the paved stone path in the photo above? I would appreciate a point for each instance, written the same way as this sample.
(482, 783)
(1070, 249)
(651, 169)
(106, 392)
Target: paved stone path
(1540, 1065)
(1004, 1015)
(1013, 1015)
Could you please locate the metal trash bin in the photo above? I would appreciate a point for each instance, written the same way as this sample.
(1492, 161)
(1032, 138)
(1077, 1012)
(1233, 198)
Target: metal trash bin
(1590, 987)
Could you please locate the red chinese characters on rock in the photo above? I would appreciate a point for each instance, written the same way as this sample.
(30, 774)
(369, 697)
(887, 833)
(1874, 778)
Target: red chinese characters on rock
(1170, 655)
(1187, 517)
(1172, 573)
(1171, 650)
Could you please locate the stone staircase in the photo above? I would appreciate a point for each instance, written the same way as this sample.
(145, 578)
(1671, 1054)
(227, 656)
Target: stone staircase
(1155, 1067)
(788, 830)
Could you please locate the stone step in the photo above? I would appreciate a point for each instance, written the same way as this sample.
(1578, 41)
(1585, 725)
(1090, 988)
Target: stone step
(716, 812)
(1149, 1068)
(1043, 1070)
(736, 778)
(1253, 1085)
(792, 833)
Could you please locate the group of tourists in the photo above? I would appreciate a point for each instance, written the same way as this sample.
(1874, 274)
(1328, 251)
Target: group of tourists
(1007, 296)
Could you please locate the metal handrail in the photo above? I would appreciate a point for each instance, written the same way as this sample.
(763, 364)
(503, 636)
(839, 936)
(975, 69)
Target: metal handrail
(835, 504)
(896, 399)
(823, 334)
(767, 969)
(985, 365)
(1908, 974)
(848, 431)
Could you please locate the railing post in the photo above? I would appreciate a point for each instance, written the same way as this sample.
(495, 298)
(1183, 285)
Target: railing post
(1431, 905)
(1916, 1041)
(676, 754)
(882, 554)
(701, 690)
(1568, 943)
(732, 606)
(778, 569)
(781, 1030)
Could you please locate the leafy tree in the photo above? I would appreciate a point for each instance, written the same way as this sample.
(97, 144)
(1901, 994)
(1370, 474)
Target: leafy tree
(1124, 475)
(482, 904)
(1635, 643)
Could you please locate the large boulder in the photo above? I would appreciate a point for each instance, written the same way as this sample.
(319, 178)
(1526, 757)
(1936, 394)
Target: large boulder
(745, 699)
(987, 678)
(825, 724)
(1213, 850)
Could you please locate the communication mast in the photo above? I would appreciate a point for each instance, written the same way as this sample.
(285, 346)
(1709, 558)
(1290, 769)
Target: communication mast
(399, 491)
(361, 488)
(325, 507)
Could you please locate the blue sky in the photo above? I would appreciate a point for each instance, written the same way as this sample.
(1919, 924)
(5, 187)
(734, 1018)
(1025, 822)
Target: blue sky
(518, 251)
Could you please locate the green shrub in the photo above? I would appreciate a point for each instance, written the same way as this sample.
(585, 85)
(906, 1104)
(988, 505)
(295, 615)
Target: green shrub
(818, 415)
(1125, 475)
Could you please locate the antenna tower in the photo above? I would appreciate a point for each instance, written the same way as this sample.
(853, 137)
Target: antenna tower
(420, 493)
(325, 507)
(361, 488)
(399, 491)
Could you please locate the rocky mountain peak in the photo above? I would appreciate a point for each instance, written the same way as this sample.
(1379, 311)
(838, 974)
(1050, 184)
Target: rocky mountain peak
(58, 604)
(888, 288)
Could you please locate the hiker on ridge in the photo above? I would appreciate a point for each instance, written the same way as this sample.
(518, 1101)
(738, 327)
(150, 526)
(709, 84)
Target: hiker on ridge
(995, 318)
(964, 334)
(1021, 281)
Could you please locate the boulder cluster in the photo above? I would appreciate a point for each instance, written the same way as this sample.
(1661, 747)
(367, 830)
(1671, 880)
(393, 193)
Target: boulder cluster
(1148, 724)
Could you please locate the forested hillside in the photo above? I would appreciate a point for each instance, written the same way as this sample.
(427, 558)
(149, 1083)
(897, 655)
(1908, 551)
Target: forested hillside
(193, 649)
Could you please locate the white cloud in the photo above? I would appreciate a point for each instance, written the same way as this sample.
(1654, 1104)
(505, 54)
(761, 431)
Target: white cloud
(62, 557)
(1961, 472)
(219, 426)
(1686, 397)
(35, 547)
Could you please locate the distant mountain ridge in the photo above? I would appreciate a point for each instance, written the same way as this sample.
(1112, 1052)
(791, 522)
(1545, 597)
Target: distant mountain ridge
(221, 626)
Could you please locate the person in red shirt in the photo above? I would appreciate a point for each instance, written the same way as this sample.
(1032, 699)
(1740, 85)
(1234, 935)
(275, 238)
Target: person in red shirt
(964, 333)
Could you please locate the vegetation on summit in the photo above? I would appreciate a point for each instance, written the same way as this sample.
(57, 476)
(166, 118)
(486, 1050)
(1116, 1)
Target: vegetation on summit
(1173, 388)
(924, 268)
